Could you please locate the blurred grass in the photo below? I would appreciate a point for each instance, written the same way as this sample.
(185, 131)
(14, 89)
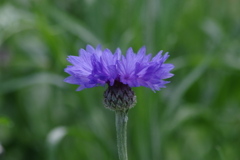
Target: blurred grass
(195, 117)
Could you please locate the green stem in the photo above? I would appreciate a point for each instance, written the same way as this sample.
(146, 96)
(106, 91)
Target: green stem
(121, 125)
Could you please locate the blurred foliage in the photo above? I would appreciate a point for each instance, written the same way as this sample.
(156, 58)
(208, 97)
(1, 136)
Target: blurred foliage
(196, 117)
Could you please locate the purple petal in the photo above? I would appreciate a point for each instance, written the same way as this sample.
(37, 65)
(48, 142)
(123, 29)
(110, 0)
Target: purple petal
(72, 80)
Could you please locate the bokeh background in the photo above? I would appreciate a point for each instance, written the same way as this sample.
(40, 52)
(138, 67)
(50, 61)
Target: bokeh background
(197, 117)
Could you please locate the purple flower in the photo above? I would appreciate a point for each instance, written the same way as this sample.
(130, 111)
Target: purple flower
(94, 67)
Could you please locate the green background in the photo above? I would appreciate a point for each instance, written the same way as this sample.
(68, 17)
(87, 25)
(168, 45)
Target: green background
(197, 117)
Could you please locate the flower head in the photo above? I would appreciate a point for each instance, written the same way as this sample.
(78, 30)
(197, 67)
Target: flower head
(97, 67)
